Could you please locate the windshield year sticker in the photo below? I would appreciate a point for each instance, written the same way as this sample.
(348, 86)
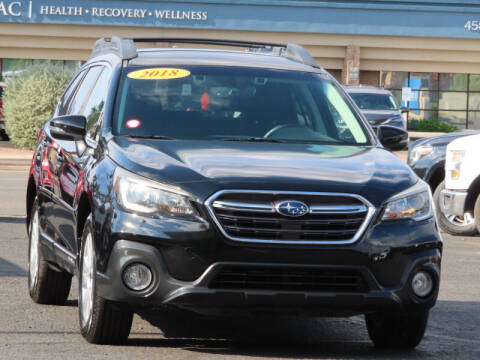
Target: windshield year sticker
(159, 74)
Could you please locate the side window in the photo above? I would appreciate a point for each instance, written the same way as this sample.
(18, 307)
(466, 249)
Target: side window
(65, 100)
(78, 102)
(94, 105)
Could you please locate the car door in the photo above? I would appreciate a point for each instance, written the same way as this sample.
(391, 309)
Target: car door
(75, 164)
(71, 158)
(46, 162)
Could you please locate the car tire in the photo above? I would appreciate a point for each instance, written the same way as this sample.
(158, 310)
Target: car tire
(45, 284)
(101, 321)
(404, 331)
(465, 226)
(476, 211)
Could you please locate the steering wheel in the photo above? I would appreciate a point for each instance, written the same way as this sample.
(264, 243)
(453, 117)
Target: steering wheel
(277, 129)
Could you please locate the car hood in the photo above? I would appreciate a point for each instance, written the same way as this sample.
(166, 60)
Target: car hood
(204, 167)
(375, 115)
(444, 139)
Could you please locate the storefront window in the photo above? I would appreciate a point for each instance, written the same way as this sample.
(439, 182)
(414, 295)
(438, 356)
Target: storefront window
(453, 101)
(452, 98)
(417, 115)
(474, 101)
(426, 100)
(474, 119)
(394, 79)
(474, 82)
(455, 82)
(457, 118)
(423, 81)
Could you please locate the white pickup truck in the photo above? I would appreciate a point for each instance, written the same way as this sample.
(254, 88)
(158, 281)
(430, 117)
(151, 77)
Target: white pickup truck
(462, 179)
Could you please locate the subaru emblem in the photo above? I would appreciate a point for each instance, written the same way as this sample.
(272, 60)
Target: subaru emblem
(292, 208)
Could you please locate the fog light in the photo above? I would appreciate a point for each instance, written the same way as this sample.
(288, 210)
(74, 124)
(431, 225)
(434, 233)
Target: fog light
(137, 276)
(422, 283)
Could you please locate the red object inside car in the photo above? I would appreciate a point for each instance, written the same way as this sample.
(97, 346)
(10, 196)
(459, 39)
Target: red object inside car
(133, 123)
(205, 100)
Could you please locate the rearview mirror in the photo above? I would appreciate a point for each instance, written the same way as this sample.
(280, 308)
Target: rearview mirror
(68, 127)
(392, 138)
(404, 109)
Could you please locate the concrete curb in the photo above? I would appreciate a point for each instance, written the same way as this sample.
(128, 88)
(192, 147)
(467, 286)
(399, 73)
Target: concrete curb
(14, 168)
(415, 135)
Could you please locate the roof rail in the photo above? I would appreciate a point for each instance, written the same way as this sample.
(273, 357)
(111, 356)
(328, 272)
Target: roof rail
(299, 53)
(237, 43)
(125, 47)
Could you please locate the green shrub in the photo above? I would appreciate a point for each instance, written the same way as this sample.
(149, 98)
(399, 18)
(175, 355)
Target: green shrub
(30, 99)
(433, 126)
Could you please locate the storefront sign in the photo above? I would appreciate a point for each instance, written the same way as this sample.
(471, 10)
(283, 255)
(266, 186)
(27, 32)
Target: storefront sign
(101, 12)
(457, 19)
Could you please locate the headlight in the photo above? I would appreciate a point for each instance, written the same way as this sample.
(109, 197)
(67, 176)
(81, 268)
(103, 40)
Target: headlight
(141, 195)
(419, 152)
(414, 203)
(454, 161)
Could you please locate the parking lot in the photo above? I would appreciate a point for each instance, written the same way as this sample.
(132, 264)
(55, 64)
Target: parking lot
(29, 331)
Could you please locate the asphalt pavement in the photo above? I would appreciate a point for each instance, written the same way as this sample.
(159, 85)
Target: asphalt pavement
(30, 331)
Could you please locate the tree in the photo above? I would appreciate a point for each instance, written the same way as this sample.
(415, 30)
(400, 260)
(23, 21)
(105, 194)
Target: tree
(30, 99)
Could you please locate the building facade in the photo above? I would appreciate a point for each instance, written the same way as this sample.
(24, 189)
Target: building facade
(429, 46)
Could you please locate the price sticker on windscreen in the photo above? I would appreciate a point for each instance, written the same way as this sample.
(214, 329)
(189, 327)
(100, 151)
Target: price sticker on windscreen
(159, 74)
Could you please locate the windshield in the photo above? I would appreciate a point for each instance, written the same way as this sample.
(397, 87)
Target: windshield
(366, 101)
(234, 104)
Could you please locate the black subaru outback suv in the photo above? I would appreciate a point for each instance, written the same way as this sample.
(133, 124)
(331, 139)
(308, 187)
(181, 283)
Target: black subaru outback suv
(218, 181)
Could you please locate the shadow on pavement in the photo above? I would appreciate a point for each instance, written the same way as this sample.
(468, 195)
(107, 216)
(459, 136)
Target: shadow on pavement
(266, 336)
(452, 328)
(12, 220)
(8, 269)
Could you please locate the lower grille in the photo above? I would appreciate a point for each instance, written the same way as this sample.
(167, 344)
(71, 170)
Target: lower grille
(290, 279)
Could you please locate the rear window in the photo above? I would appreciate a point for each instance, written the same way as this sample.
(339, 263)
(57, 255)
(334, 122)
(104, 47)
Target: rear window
(229, 103)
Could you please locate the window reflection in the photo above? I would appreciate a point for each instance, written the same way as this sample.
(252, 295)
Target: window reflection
(457, 82)
(423, 81)
(417, 115)
(474, 119)
(457, 118)
(453, 101)
(394, 79)
(474, 82)
(474, 101)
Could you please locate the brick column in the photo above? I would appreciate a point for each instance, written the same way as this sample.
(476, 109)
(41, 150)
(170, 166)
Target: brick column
(351, 65)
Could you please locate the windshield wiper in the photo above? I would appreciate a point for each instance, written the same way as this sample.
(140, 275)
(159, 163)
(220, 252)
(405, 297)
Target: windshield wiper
(255, 139)
(158, 137)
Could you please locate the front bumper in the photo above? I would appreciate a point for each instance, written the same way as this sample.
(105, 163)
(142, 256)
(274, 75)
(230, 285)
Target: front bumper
(204, 297)
(453, 202)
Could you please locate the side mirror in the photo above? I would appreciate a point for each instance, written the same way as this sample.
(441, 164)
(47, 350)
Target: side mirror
(404, 109)
(68, 127)
(392, 138)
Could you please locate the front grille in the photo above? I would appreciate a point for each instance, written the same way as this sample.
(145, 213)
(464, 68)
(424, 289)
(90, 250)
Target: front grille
(252, 217)
(289, 278)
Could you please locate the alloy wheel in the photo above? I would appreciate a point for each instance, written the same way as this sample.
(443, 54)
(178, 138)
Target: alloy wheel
(87, 282)
(33, 259)
(465, 220)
